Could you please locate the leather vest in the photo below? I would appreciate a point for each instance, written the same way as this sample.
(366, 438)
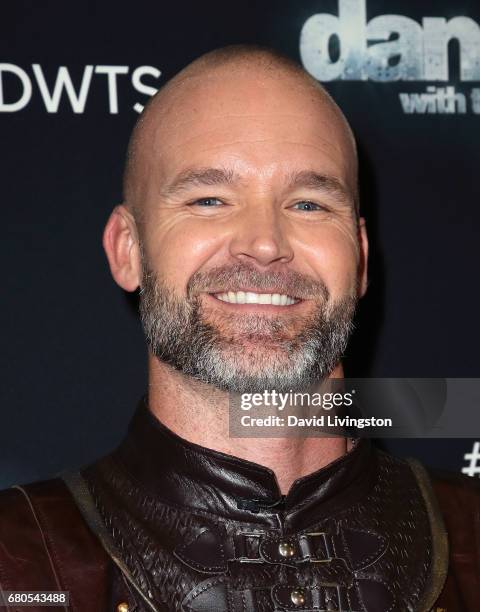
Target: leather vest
(194, 530)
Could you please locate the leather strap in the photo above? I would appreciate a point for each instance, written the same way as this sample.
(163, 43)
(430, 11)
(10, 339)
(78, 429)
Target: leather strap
(440, 546)
(85, 503)
(327, 597)
(210, 549)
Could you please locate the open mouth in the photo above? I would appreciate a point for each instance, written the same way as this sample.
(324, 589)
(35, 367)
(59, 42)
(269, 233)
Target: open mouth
(251, 297)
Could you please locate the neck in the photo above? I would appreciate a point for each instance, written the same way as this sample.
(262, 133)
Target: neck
(199, 413)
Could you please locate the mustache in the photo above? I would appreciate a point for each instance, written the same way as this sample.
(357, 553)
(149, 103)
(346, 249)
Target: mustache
(238, 276)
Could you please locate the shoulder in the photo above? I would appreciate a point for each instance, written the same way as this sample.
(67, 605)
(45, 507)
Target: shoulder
(458, 497)
(44, 510)
(45, 506)
(45, 542)
(457, 494)
(25, 533)
(53, 488)
(455, 499)
(23, 507)
(452, 500)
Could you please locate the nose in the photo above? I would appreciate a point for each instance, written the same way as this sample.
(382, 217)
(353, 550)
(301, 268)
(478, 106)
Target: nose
(261, 237)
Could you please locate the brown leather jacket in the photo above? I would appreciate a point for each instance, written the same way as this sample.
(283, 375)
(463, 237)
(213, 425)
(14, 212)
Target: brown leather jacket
(47, 540)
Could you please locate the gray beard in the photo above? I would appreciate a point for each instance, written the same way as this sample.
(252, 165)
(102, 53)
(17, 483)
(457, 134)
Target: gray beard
(258, 354)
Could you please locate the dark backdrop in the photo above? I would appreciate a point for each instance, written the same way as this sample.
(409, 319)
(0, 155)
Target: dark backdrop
(73, 357)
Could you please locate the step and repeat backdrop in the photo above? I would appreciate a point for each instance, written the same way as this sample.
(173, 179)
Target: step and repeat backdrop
(73, 79)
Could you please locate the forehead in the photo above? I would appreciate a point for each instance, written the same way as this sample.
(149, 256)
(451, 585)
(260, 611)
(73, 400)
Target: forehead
(260, 126)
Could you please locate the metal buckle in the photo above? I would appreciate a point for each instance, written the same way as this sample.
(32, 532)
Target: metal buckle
(251, 535)
(326, 543)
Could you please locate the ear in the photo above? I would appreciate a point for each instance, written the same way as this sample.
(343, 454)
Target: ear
(120, 241)
(363, 264)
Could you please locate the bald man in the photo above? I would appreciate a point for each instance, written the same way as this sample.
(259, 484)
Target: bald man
(240, 225)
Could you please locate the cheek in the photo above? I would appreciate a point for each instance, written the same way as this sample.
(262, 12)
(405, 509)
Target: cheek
(333, 253)
(178, 247)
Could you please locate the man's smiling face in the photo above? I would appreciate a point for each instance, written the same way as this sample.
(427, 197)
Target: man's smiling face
(253, 258)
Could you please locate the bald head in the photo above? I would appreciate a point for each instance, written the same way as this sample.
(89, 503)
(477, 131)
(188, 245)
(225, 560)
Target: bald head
(236, 80)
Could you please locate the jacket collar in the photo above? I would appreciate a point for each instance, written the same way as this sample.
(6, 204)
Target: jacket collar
(184, 474)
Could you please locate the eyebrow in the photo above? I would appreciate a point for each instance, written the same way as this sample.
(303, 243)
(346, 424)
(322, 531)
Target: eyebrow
(309, 179)
(194, 177)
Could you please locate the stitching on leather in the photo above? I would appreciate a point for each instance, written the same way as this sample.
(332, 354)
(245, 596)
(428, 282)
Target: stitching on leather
(373, 556)
(385, 584)
(347, 547)
(244, 603)
(334, 546)
(349, 599)
(275, 559)
(233, 547)
(181, 550)
(230, 600)
(43, 535)
(203, 587)
(198, 566)
(308, 588)
(383, 546)
(223, 552)
(392, 607)
(378, 554)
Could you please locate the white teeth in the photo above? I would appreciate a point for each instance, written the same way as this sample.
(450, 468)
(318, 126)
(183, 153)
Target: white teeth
(250, 297)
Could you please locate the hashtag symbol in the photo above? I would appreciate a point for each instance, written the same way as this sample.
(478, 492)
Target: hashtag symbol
(473, 468)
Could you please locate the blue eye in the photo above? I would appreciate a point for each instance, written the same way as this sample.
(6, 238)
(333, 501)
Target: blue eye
(210, 202)
(307, 206)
